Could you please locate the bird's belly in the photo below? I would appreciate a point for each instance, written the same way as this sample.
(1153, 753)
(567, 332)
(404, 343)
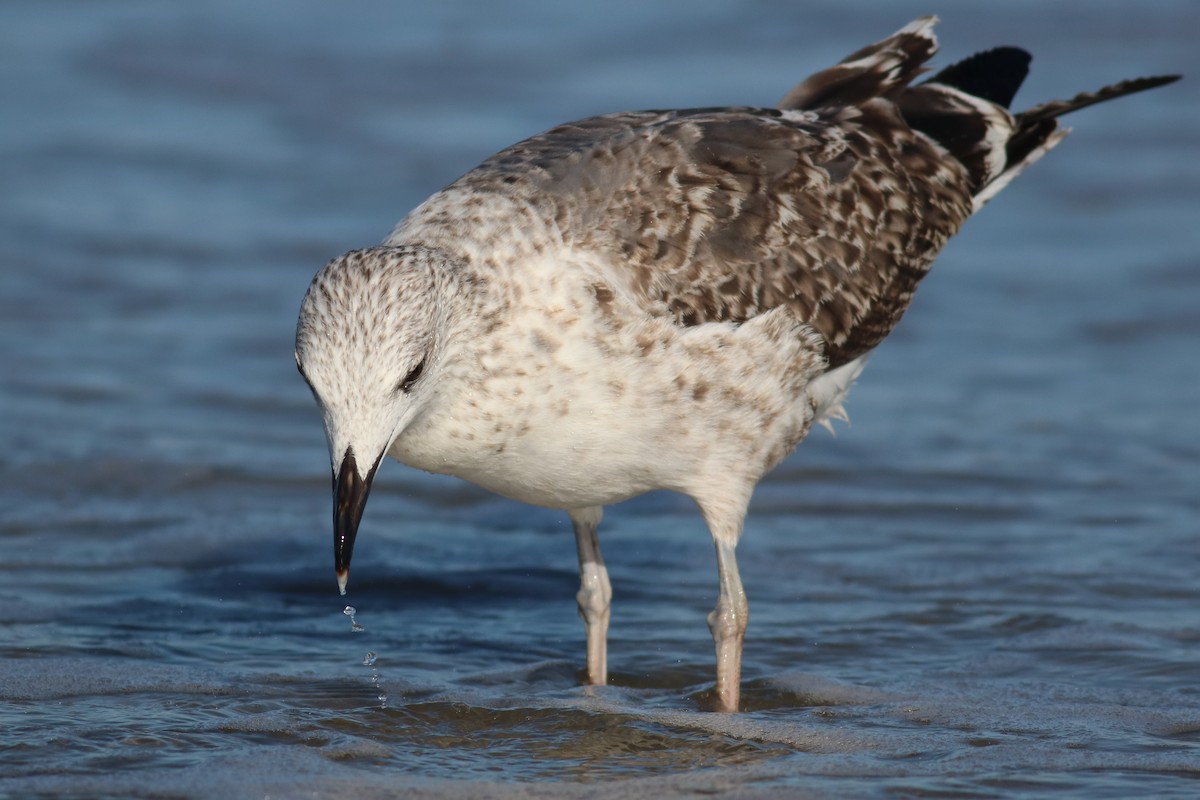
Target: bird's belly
(556, 463)
(561, 482)
(575, 413)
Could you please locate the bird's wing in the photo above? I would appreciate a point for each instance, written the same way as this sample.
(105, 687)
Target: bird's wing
(722, 214)
(832, 203)
(836, 203)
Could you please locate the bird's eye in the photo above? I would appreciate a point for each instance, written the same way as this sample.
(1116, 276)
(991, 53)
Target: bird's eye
(413, 375)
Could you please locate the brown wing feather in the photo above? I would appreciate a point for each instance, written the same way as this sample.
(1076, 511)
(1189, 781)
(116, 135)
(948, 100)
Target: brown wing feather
(722, 214)
(834, 205)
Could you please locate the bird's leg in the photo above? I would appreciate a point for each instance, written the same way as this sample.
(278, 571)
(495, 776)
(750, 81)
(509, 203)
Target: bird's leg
(595, 592)
(728, 625)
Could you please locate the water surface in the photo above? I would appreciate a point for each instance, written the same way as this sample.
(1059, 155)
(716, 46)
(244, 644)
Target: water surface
(986, 587)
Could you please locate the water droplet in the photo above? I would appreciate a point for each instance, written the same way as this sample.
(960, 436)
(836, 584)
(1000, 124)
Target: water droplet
(370, 658)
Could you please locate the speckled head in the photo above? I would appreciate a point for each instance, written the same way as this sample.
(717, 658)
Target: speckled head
(367, 343)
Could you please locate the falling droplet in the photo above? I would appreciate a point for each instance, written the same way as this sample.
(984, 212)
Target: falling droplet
(377, 679)
(369, 659)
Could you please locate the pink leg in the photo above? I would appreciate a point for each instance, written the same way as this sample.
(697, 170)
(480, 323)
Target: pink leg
(728, 625)
(595, 592)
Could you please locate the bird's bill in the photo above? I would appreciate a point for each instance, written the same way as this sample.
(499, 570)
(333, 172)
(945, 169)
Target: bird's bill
(350, 490)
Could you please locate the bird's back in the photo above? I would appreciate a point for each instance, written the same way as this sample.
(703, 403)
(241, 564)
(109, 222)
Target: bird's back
(835, 204)
(721, 214)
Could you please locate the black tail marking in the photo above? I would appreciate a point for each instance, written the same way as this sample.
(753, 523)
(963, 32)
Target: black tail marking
(1056, 108)
(995, 75)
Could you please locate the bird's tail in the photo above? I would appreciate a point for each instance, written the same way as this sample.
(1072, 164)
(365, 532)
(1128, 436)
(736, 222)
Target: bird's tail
(1036, 130)
(964, 107)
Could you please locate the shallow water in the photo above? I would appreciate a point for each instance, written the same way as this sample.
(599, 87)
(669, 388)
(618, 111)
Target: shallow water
(987, 586)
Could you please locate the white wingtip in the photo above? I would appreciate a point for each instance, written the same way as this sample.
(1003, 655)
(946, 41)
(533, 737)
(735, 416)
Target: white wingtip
(921, 24)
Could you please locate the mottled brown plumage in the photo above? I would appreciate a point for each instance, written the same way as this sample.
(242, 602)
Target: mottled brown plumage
(751, 209)
(836, 203)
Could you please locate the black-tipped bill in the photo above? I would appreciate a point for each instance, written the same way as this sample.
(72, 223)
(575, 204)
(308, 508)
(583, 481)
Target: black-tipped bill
(350, 492)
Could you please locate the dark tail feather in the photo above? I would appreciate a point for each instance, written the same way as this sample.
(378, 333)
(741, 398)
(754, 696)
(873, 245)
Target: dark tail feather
(964, 108)
(1056, 108)
(995, 75)
(1035, 131)
(1027, 139)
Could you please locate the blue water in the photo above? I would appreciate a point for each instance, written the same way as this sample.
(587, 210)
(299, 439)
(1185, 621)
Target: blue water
(986, 587)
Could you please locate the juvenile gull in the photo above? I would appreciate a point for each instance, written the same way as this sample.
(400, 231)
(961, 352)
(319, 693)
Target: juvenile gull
(661, 299)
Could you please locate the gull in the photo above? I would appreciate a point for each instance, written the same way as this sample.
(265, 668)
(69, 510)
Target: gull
(661, 299)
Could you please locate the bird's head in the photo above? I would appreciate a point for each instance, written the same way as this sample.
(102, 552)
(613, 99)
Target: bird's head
(367, 343)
